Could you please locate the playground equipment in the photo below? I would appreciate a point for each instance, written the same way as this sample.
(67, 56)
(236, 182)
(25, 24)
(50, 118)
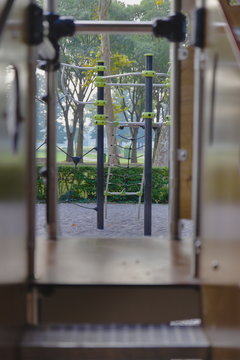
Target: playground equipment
(126, 298)
(101, 120)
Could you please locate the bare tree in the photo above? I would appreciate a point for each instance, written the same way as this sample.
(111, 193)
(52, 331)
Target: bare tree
(75, 89)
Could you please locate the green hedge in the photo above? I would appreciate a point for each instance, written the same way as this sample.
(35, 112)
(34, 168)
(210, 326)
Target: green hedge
(79, 183)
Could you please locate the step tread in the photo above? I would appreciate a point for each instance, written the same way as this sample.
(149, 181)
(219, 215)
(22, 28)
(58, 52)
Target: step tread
(115, 336)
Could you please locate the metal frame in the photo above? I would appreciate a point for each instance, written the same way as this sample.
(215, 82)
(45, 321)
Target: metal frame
(96, 27)
(135, 84)
(174, 136)
(100, 157)
(113, 27)
(148, 151)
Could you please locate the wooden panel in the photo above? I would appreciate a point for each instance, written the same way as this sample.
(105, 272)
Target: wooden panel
(232, 16)
(220, 210)
(119, 304)
(186, 132)
(221, 306)
(221, 318)
(13, 100)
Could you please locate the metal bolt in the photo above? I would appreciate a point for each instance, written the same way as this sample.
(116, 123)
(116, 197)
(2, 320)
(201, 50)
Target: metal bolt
(215, 265)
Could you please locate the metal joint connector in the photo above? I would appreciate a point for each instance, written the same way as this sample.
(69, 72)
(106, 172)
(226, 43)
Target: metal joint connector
(148, 115)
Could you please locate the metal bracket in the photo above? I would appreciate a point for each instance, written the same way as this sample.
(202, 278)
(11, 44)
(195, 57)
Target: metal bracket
(57, 28)
(198, 25)
(182, 154)
(182, 53)
(173, 28)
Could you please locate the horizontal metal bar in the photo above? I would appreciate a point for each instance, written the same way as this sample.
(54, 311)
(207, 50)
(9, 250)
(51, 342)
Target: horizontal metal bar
(78, 67)
(121, 75)
(135, 84)
(96, 27)
(129, 74)
(122, 193)
(137, 124)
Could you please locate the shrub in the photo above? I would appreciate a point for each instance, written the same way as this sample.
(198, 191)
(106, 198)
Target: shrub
(79, 183)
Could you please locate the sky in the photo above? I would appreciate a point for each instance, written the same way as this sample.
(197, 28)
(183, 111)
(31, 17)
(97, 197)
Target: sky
(131, 2)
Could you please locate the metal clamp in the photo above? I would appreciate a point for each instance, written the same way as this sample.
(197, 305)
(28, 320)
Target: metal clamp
(100, 103)
(149, 73)
(148, 115)
(100, 117)
(100, 81)
(173, 28)
(182, 154)
(100, 68)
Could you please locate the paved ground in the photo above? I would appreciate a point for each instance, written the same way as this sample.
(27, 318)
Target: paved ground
(121, 222)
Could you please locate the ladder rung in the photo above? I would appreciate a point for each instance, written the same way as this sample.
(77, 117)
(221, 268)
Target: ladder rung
(123, 193)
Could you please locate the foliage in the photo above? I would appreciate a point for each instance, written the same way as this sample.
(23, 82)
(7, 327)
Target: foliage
(79, 184)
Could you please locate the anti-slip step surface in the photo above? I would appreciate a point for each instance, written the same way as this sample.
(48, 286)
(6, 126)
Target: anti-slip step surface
(115, 342)
(102, 336)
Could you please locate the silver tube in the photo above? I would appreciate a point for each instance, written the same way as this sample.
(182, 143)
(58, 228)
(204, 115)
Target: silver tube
(79, 67)
(174, 200)
(121, 75)
(96, 27)
(137, 124)
(135, 84)
(129, 74)
(49, 5)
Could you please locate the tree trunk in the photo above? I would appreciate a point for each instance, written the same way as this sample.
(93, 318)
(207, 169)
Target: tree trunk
(79, 150)
(134, 158)
(156, 141)
(161, 158)
(70, 149)
(106, 56)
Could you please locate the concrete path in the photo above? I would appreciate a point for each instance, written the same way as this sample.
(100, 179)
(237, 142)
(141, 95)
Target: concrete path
(121, 222)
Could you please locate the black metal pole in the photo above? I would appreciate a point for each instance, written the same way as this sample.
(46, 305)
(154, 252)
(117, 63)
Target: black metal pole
(148, 150)
(100, 157)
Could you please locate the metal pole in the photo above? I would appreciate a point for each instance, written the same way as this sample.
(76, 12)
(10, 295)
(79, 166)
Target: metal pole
(96, 27)
(148, 152)
(31, 162)
(174, 135)
(197, 151)
(51, 144)
(50, 6)
(100, 157)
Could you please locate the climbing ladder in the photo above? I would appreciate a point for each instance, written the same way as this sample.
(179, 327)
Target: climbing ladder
(128, 185)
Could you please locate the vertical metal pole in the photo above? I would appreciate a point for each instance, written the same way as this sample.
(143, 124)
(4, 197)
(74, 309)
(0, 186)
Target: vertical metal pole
(31, 161)
(100, 157)
(174, 135)
(148, 152)
(51, 144)
(197, 151)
